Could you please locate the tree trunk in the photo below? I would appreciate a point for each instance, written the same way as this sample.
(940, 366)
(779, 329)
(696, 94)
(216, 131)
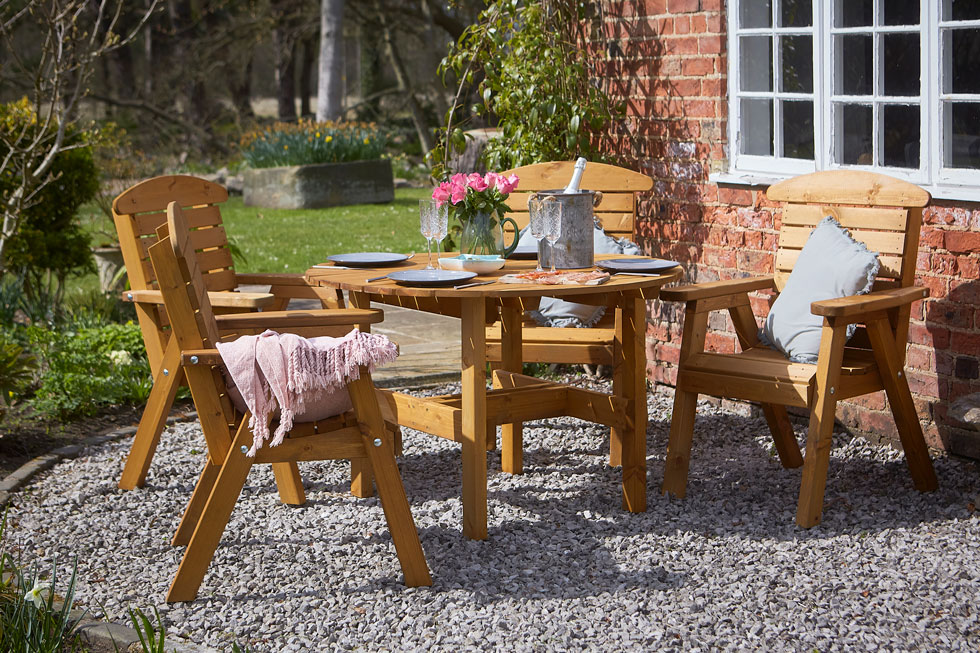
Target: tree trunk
(306, 77)
(285, 80)
(241, 90)
(330, 87)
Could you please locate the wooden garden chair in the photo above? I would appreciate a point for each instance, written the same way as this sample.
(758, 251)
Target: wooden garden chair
(617, 215)
(884, 213)
(358, 434)
(138, 212)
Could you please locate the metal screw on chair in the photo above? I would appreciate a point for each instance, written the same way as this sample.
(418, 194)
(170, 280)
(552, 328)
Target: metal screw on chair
(244, 449)
(832, 390)
(900, 374)
(129, 296)
(166, 372)
(194, 360)
(377, 442)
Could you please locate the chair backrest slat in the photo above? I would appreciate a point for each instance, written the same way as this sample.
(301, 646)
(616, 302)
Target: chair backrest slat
(878, 210)
(617, 210)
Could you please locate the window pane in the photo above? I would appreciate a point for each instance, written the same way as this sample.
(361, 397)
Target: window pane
(756, 129)
(854, 124)
(901, 58)
(901, 134)
(853, 13)
(795, 13)
(964, 121)
(966, 60)
(798, 129)
(755, 63)
(901, 12)
(755, 13)
(797, 53)
(856, 60)
(961, 10)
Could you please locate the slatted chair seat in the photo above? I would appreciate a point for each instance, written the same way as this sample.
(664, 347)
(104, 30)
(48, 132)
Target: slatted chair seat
(885, 214)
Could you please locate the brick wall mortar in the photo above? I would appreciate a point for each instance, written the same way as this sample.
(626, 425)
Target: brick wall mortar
(678, 135)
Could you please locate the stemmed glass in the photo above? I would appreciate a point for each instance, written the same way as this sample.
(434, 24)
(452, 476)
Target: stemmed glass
(427, 225)
(538, 221)
(552, 212)
(440, 224)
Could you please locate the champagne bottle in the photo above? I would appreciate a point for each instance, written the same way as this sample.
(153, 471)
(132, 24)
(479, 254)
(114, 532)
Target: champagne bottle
(572, 186)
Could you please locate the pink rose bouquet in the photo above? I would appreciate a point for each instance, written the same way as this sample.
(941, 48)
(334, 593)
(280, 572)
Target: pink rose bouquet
(474, 193)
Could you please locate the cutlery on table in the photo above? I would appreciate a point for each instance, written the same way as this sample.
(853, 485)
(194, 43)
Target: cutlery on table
(383, 276)
(475, 283)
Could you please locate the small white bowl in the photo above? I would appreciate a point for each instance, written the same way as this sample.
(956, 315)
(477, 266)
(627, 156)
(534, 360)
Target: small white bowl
(472, 263)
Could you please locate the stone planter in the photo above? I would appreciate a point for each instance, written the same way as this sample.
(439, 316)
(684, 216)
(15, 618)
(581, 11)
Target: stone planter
(108, 262)
(320, 185)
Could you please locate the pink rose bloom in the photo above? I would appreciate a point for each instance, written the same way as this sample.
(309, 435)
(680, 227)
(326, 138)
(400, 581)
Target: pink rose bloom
(506, 185)
(477, 182)
(441, 193)
(492, 179)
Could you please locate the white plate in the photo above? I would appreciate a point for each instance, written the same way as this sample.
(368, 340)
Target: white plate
(636, 264)
(368, 259)
(472, 263)
(430, 277)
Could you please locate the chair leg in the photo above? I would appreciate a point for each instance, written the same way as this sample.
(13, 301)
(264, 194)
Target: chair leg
(154, 418)
(391, 491)
(782, 435)
(819, 438)
(361, 478)
(679, 443)
(192, 514)
(224, 495)
(903, 409)
(290, 483)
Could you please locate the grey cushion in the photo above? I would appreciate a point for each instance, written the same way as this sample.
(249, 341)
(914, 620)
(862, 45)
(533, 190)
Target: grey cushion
(831, 265)
(555, 312)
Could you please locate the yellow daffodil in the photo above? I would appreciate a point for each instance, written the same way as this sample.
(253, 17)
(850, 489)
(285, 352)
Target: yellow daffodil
(328, 138)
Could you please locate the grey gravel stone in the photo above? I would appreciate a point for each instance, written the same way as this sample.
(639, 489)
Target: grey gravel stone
(564, 568)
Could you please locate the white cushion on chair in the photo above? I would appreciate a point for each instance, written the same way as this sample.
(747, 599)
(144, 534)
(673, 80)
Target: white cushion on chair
(832, 264)
(555, 312)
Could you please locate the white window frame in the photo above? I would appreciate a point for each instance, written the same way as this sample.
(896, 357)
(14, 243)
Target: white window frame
(941, 181)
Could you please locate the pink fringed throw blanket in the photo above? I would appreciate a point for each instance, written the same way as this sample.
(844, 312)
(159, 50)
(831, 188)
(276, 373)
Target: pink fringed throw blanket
(298, 376)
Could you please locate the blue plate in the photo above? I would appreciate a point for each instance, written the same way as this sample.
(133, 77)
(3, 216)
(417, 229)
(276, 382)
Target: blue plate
(636, 264)
(368, 259)
(430, 277)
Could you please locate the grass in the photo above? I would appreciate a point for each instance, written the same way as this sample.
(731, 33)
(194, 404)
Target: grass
(291, 240)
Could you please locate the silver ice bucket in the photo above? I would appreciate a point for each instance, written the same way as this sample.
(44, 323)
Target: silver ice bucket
(574, 248)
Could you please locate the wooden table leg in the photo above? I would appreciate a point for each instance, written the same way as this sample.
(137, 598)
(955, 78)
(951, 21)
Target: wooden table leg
(511, 435)
(361, 474)
(474, 405)
(632, 360)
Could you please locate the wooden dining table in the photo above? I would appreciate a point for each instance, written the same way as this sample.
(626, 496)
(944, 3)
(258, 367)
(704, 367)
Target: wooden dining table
(471, 416)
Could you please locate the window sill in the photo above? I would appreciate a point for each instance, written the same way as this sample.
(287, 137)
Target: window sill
(761, 180)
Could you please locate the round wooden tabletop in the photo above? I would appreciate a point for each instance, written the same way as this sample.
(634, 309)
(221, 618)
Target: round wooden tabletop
(356, 280)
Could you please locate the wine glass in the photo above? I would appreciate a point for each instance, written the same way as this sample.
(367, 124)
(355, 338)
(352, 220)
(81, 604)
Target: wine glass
(552, 212)
(427, 212)
(440, 225)
(538, 221)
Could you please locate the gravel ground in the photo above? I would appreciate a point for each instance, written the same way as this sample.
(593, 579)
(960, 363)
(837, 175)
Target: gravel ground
(565, 568)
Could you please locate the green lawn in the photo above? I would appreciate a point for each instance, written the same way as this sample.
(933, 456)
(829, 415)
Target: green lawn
(284, 240)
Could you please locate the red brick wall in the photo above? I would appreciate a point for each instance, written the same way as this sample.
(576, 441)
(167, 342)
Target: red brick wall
(668, 61)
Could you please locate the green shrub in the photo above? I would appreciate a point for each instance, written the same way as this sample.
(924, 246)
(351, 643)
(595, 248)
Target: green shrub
(88, 367)
(17, 369)
(304, 142)
(50, 243)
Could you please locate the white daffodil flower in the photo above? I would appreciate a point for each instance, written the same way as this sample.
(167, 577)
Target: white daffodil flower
(35, 595)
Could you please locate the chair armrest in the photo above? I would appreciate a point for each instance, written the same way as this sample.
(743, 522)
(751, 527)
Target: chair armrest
(271, 279)
(856, 305)
(713, 289)
(220, 299)
(200, 357)
(294, 319)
